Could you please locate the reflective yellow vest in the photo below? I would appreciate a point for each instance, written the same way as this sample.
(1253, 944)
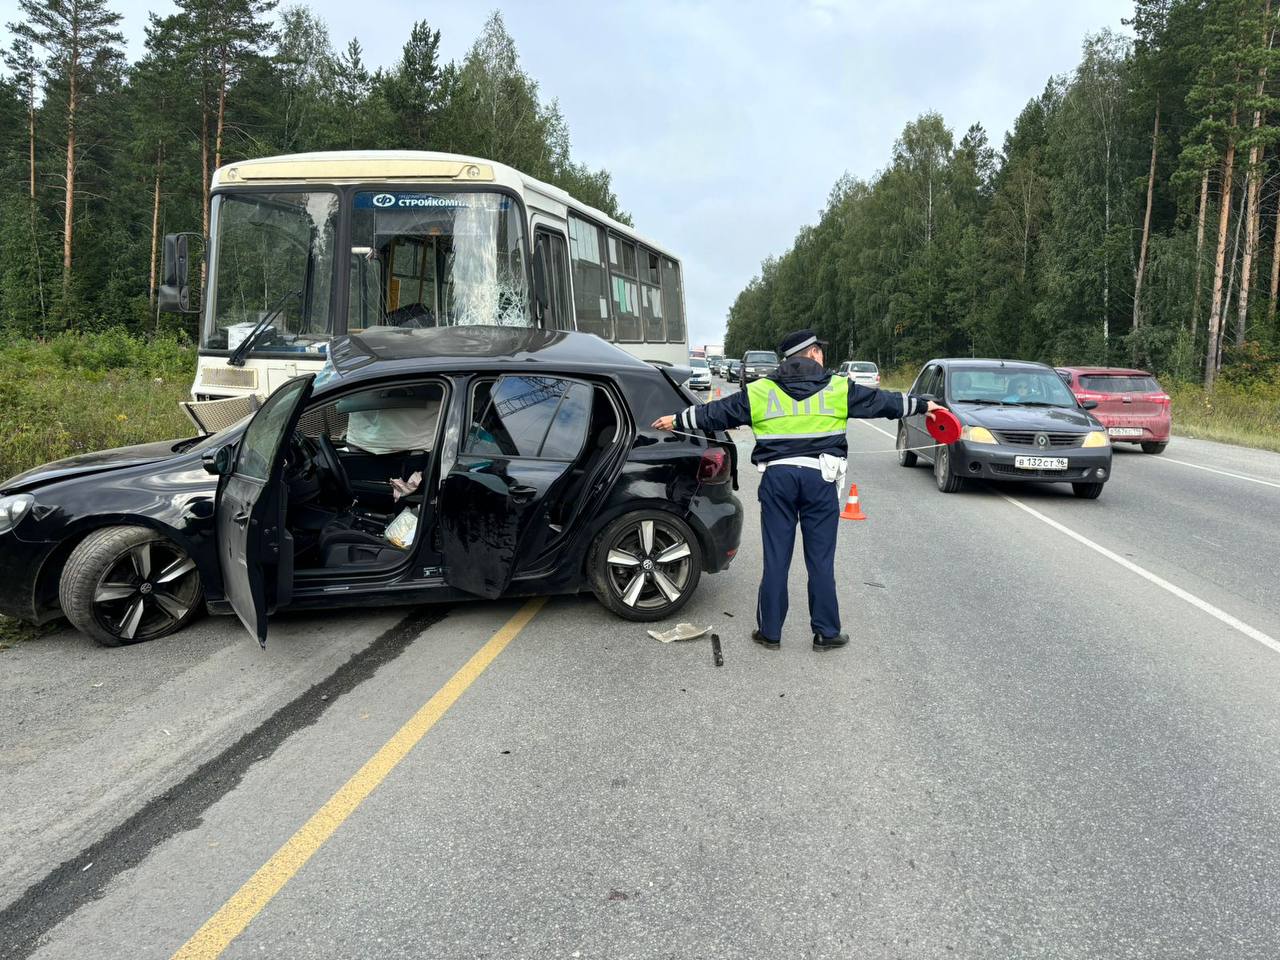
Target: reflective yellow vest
(776, 415)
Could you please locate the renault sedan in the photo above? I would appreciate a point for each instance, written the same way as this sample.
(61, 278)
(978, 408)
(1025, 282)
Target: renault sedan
(419, 465)
(1019, 422)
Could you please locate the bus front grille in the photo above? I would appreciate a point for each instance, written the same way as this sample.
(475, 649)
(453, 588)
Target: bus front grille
(229, 377)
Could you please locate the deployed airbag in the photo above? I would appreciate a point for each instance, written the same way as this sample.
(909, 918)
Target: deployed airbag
(394, 430)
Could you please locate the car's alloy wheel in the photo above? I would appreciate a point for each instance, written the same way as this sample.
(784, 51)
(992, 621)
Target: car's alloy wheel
(129, 584)
(906, 458)
(645, 566)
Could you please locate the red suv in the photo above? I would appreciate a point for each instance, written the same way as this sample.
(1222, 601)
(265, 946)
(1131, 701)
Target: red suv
(1130, 403)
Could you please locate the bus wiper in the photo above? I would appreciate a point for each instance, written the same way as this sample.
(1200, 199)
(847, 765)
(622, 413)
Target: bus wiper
(238, 354)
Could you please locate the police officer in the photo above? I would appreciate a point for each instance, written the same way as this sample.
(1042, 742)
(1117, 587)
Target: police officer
(799, 418)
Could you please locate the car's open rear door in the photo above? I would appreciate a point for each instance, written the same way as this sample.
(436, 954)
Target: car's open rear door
(255, 549)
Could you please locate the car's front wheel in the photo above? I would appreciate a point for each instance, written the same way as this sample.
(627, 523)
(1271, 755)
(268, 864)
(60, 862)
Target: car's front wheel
(906, 458)
(1153, 446)
(946, 480)
(1087, 491)
(129, 584)
(645, 565)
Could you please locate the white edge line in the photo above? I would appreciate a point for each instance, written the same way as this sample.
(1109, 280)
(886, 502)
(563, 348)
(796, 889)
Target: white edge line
(1225, 473)
(1236, 624)
(874, 427)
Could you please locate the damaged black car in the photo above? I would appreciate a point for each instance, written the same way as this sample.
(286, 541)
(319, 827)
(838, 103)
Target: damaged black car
(418, 466)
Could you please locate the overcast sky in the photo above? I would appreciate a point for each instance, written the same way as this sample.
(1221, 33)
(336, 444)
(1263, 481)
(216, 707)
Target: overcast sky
(725, 125)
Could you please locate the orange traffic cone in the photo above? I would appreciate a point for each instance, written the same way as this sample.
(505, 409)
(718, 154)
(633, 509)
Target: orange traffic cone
(851, 509)
(717, 393)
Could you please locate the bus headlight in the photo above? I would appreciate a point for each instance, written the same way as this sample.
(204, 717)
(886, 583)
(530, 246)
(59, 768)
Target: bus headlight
(1096, 438)
(13, 509)
(977, 435)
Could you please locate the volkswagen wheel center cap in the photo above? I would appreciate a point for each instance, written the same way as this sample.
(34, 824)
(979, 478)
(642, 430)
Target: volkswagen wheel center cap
(648, 564)
(145, 588)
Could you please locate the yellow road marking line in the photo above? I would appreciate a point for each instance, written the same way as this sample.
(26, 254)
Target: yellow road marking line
(230, 921)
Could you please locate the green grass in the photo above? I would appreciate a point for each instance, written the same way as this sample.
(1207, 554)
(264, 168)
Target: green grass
(80, 393)
(76, 394)
(1248, 415)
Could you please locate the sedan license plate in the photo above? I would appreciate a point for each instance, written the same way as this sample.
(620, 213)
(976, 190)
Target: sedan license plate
(1040, 463)
(1125, 431)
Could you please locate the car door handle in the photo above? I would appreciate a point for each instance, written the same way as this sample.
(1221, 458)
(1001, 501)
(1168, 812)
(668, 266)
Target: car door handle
(522, 493)
(240, 519)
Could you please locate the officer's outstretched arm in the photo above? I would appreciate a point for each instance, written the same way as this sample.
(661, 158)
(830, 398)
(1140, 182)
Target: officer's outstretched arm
(867, 403)
(731, 411)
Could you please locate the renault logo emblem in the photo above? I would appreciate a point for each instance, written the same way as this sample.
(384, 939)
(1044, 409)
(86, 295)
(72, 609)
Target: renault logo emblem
(1042, 441)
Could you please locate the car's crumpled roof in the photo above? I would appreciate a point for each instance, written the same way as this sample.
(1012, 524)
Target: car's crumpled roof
(442, 347)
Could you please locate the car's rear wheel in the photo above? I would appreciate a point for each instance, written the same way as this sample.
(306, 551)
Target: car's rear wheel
(947, 481)
(1154, 446)
(645, 565)
(1087, 491)
(129, 584)
(906, 458)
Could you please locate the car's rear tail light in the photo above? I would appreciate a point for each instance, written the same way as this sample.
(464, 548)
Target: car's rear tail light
(714, 466)
(1083, 395)
(1160, 398)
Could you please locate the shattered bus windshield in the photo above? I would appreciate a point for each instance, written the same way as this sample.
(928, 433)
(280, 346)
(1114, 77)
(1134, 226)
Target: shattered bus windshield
(271, 251)
(436, 259)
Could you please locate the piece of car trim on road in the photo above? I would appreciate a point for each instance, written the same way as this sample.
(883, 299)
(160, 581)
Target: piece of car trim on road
(1225, 473)
(1234, 622)
(246, 903)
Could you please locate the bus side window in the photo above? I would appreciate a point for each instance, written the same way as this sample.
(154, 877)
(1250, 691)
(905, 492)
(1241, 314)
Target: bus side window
(560, 314)
(655, 329)
(590, 283)
(672, 301)
(623, 290)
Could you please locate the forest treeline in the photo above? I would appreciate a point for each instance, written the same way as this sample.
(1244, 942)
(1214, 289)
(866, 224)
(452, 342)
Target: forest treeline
(1129, 217)
(100, 157)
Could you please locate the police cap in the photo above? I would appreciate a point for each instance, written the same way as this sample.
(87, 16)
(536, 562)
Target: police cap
(797, 341)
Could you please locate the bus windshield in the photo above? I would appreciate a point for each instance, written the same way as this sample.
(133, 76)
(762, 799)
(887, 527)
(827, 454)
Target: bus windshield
(271, 251)
(416, 260)
(436, 259)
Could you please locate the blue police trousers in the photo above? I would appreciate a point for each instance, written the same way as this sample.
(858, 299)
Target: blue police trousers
(788, 494)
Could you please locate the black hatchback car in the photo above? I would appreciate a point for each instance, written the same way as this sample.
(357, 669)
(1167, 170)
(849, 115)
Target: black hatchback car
(1019, 422)
(419, 465)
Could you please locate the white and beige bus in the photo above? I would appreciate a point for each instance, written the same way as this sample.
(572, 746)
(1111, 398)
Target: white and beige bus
(307, 247)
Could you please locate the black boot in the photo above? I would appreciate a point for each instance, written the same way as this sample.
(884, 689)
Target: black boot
(764, 641)
(829, 643)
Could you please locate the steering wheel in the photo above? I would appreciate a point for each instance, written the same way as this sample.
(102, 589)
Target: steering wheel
(331, 463)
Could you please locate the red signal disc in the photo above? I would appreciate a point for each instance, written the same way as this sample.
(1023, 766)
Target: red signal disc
(943, 426)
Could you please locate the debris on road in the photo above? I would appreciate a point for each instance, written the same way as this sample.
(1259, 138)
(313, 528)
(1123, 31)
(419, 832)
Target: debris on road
(681, 631)
(716, 655)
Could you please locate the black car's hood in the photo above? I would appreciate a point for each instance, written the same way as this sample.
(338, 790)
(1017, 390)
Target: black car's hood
(1024, 418)
(86, 463)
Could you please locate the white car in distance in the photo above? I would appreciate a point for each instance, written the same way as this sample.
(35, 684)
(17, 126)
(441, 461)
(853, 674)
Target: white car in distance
(701, 379)
(861, 371)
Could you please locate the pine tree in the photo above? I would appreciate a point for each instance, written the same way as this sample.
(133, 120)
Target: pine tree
(77, 36)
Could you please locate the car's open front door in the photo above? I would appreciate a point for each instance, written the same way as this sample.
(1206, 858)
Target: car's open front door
(255, 549)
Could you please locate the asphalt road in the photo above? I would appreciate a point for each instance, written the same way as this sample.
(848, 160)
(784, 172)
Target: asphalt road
(1054, 735)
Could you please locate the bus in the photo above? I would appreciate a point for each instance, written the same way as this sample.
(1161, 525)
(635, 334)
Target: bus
(307, 247)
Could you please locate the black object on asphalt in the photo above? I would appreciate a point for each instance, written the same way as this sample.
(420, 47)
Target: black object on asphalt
(716, 654)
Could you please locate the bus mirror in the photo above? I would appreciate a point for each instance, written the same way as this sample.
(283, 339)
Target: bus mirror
(174, 295)
(540, 279)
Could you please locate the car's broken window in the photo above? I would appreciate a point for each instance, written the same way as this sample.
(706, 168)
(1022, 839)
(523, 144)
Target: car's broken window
(529, 416)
